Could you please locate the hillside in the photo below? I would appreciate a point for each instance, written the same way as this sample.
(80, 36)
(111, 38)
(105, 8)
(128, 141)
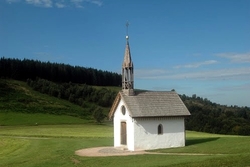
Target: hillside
(207, 116)
(20, 105)
(84, 102)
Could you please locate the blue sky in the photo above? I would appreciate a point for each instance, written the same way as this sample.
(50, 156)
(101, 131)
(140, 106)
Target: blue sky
(195, 47)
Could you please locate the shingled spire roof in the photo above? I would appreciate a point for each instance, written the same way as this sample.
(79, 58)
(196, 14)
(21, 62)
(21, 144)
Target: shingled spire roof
(127, 62)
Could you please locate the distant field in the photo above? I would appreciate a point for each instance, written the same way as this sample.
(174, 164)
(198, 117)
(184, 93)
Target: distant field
(59, 131)
(15, 118)
(54, 145)
(113, 88)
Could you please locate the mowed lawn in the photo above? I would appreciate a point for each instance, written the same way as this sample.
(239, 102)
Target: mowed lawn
(54, 146)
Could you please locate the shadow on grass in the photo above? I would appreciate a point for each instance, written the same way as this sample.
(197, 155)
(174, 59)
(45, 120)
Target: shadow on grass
(200, 140)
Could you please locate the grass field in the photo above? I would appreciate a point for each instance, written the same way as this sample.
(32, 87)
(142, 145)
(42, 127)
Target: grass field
(54, 145)
(12, 118)
(35, 132)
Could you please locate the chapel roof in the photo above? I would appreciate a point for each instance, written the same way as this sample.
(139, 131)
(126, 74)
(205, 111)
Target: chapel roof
(152, 104)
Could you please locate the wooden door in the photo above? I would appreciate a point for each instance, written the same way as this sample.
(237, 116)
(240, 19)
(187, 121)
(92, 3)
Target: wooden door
(123, 133)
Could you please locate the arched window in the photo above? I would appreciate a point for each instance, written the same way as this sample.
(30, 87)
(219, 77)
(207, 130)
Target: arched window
(160, 129)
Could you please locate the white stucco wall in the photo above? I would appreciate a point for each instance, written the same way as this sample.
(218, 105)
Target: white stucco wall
(142, 133)
(118, 118)
(146, 136)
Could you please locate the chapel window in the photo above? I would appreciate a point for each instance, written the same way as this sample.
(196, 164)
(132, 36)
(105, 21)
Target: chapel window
(123, 110)
(160, 129)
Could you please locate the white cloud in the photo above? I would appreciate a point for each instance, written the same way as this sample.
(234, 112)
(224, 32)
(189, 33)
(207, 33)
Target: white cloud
(144, 73)
(77, 3)
(245, 86)
(60, 5)
(96, 2)
(41, 3)
(236, 57)
(233, 73)
(198, 64)
(12, 1)
(221, 74)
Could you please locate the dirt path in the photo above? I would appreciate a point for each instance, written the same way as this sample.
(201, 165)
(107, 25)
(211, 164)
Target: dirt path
(106, 151)
(111, 151)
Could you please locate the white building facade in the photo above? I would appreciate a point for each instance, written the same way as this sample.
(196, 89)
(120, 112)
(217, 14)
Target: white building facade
(146, 133)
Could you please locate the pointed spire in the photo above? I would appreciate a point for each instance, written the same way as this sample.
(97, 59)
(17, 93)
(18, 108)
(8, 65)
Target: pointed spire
(127, 62)
(127, 56)
(127, 70)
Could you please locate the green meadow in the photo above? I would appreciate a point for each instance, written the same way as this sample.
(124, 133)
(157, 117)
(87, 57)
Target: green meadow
(54, 145)
(37, 130)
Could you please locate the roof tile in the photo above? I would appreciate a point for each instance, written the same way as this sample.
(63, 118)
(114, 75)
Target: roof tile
(155, 104)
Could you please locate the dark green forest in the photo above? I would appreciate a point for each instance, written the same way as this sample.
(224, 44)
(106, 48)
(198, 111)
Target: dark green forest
(74, 84)
(60, 73)
(207, 116)
(75, 93)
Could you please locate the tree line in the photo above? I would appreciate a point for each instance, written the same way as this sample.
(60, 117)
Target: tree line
(80, 94)
(92, 100)
(210, 117)
(60, 73)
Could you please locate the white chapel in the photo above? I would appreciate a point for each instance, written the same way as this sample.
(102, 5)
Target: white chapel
(145, 120)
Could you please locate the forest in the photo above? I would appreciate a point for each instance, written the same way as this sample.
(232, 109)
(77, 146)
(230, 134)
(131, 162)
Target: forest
(60, 73)
(76, 84)
(75, 93)
(207, 116)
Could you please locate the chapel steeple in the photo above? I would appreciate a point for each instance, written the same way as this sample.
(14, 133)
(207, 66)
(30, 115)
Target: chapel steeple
(127, 70)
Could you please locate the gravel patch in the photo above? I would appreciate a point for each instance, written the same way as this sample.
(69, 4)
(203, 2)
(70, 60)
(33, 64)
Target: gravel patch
(110, 150)
(113, 151)
(106, 151)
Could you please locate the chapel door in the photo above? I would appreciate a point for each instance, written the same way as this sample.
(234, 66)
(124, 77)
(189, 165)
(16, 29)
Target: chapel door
(123, 133)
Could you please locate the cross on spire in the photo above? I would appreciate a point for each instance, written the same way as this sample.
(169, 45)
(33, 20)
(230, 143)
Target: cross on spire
(127, 24)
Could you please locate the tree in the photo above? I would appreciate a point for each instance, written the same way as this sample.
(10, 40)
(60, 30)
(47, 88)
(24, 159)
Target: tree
(99, 115)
